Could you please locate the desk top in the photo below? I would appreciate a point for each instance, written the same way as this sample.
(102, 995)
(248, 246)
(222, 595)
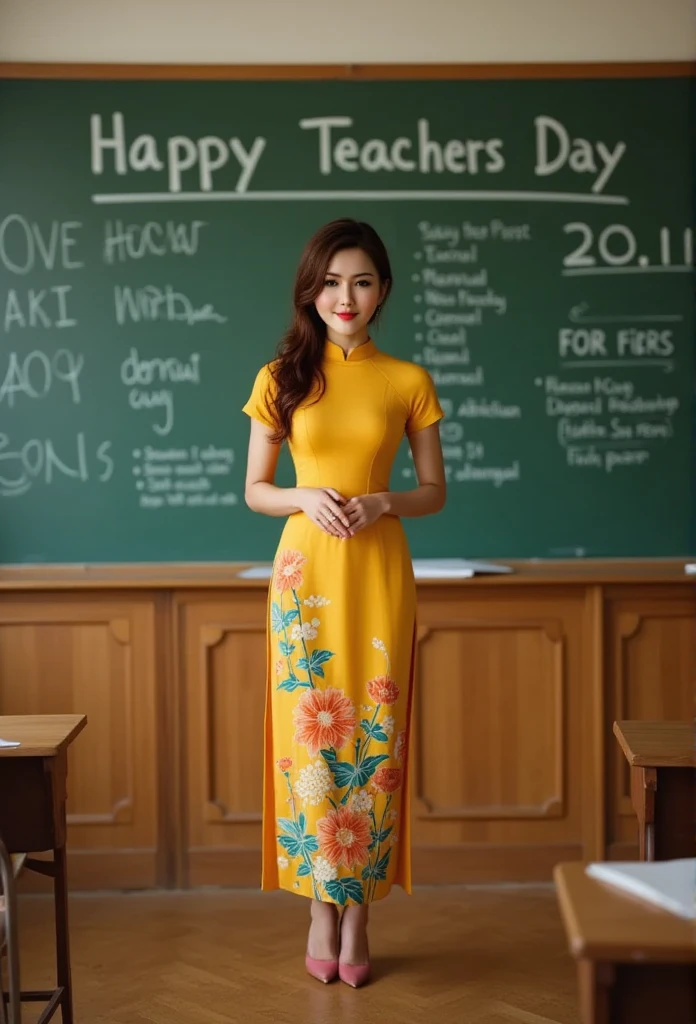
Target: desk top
(657, 744)
(603, 923)
(39, 735)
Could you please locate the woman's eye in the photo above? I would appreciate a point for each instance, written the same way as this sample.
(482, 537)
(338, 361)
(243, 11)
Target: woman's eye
(329, 283)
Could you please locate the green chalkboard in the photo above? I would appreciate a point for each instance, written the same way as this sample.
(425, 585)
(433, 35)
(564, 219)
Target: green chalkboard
(541, 239)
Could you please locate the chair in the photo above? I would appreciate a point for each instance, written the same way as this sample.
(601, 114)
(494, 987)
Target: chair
(10, 868)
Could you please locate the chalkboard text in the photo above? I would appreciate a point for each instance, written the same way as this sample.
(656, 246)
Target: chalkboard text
(208, 153)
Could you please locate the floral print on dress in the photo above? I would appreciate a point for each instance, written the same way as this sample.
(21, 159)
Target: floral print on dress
(351, 771)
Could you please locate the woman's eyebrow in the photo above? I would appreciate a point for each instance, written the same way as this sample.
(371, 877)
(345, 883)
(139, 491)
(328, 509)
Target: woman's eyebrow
(365, 273)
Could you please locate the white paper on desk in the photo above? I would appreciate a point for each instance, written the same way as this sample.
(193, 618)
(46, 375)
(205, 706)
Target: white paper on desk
(256, 572)
(9, 743)
(454, 568)
(667, 883)
(429, 569)
(690, 568)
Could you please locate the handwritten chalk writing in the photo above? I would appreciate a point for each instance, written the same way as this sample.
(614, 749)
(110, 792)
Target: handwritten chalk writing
(560, 407)
(437, 337)
(636, 342)
(33, 313)
(178, 500)
(34, 375)
(481, 408)
(608, 459)
(437, 318)
(615, 430)
(38, 461)
(208, 154)
(422, 154)
(136, 241)
(446, 233)
(23, 245)
(435, 357)
(461, 280)
(660, 404)
(152, 303)
(137, 374)
(452, 379)
(580, 155)
(164, 454)
(625, 457)
(162, 399)
(463, 297)
(500, 231)
(633, 342)
(497, 475)
(435, 255)
(135, 370)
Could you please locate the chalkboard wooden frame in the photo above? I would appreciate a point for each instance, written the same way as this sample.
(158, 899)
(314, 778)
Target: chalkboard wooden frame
(202, 72)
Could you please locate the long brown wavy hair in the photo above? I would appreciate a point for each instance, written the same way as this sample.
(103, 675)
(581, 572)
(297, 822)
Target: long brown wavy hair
(296, 370)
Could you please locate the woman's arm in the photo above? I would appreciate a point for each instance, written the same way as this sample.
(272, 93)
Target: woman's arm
(260, 492)
(424, 500)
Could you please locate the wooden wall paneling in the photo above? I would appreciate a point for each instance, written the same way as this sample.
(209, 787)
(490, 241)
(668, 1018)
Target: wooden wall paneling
(651, 674)
(93, 655)
(224, 670)
(498, 732)
(594, 725)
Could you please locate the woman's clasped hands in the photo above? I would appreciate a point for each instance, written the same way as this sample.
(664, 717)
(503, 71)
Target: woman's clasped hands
(338, 516)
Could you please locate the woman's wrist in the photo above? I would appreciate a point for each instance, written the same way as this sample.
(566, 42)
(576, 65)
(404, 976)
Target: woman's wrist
(385, 501)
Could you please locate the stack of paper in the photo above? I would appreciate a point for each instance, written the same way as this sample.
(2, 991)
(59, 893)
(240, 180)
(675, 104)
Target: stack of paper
(667, 883)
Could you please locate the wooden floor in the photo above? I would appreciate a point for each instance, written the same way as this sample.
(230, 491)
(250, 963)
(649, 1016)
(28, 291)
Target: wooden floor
(484, 955)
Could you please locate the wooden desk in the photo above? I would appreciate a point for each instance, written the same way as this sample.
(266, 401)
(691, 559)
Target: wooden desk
(33, 792)
(635, 961)
(663, 786)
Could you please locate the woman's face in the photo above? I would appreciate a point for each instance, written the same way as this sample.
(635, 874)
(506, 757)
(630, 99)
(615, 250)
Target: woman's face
(351, 293)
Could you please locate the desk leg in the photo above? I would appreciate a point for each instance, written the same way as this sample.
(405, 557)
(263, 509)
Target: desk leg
(675, 817)
(60, 883)
(643, 786)
(594, 982)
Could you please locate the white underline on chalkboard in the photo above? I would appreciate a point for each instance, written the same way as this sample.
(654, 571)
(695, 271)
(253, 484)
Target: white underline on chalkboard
(667, 363)
(580, 271)
(105, 198)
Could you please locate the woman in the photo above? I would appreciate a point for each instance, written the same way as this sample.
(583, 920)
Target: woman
(342, 600)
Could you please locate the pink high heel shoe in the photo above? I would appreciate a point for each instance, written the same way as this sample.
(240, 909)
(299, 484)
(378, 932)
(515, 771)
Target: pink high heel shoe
(354, 975)
(322, 970)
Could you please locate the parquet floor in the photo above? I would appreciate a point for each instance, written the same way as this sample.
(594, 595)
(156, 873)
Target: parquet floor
(470, 955)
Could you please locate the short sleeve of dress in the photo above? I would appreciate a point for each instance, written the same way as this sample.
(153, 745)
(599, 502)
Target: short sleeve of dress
(424, 405)
(258, 404)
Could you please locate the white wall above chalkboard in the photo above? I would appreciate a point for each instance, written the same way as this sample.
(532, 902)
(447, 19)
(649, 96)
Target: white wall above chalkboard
(439, 31)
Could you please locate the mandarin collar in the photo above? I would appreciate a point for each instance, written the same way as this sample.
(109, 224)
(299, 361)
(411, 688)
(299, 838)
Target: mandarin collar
(335, 353)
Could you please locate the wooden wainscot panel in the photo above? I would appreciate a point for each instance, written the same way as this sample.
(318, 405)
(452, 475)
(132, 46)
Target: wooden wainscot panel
(651, 671)
(223, 659)
(66, 653)
(498, 732)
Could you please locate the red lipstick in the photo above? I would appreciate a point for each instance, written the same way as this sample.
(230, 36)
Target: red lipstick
(347, 316)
